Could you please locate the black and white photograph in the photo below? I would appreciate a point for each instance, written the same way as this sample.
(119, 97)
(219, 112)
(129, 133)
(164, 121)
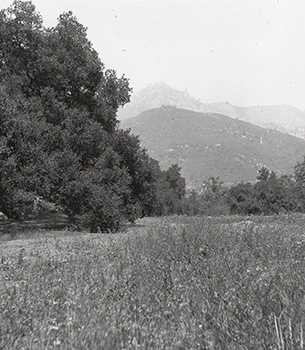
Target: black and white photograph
(152, 175)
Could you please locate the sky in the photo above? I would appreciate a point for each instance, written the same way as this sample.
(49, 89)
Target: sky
(244, 52)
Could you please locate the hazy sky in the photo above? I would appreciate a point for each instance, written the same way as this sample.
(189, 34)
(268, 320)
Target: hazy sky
(244, 52)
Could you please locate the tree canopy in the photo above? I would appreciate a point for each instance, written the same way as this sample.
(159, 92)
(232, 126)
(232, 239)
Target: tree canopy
(59, 135)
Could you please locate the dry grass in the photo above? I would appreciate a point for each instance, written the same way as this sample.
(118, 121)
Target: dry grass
(182, 283)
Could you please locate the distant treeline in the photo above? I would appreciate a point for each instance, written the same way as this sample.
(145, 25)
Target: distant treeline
(270, 194)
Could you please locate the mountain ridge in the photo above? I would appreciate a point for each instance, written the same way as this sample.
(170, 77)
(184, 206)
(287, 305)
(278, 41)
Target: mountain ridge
(212, 144)
(284, 118)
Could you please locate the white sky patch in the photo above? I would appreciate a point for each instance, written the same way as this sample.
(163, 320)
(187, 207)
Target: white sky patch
(245, 52)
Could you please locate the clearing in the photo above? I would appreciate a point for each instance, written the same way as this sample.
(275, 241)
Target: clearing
(169, 283)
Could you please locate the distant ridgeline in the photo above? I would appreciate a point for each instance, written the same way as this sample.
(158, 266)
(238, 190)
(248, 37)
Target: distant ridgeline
(210, 144)
(286, 119)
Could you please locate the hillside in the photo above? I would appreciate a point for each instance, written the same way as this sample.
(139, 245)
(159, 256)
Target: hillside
(283, 118)
(207, 144)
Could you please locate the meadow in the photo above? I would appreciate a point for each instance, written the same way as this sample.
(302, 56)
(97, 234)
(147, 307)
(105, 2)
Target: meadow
(172, 283)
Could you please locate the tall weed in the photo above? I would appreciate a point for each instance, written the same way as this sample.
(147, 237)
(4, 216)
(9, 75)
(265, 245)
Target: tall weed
(184, 283)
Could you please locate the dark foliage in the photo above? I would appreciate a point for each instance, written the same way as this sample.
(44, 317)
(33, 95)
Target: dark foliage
(169, 192)
(59, 135)
(271, 194)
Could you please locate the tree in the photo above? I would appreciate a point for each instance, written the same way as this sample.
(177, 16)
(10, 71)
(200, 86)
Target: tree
(241, 200)
(299, 172)
(264, 174)
(144, 173)
(272, 193)
(213, 197)
(269, 195)
(59, 135)
(299, 176)
(20, 42)
(191, 204)
(170, 192)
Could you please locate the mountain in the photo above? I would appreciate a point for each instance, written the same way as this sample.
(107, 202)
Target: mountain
(286, 119)
(283, 118)
(158, 95)
(209, 144)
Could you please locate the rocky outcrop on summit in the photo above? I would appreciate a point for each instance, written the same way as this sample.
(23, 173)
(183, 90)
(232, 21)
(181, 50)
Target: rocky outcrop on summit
(158, 95)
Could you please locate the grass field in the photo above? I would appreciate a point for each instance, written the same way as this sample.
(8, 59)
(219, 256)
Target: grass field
(173, 283)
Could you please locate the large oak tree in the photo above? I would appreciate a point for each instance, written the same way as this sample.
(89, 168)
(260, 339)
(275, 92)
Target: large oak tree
(59, 136)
